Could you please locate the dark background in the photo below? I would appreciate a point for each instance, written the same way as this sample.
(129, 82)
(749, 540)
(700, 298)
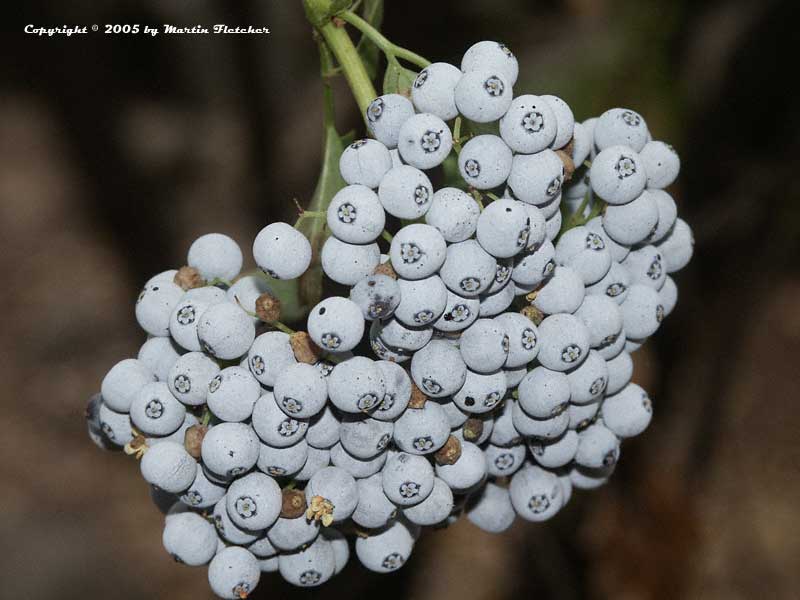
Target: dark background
(117, 151)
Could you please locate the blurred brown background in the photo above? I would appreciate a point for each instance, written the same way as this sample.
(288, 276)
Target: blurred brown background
(117, 151)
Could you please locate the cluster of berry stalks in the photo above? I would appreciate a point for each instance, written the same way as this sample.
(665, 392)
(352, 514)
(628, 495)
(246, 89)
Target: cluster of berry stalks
(502, 339)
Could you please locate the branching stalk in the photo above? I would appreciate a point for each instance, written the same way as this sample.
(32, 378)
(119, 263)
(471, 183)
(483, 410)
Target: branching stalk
(377, 38)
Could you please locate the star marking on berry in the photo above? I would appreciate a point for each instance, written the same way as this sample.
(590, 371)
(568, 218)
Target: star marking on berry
(393, 561)
(554, 186)
(533, 122)
(257, 365)
(424, 316)
(594, 241)
(410, 253)
(615, 289)
(625, 167)
(430, 141)
(409, 489)
(522, 237)
(325, 367)
(504, 461)
(459, 313)
(383, 442)
(659, 313)
(609, 339)
(597, 387)
(472, 168)
(423, 444)
(186, 315)
(421, 195)
(346, 213)
(154, 409)
(494, 86)
(375, 110)
(571, 353)
(214, 384)
(183, 384)
(218, 523)
(379, 348)
(655, 269)
(192, 498)
(387, 403)
(367, 401)
(431, 386)
(246, 507)
(292, 405)
(492, 398)
(528, 339)
(330, 340)
(421, 78)
(310, 577)
(358, 144)
(538, 503)
(502, 274)
(470, 284)
(610, 459)
(631, 118)
(288, 427)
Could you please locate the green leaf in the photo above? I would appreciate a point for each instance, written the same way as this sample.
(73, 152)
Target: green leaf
(288, 292)
(398, 79)
(452, 176)
(473, 128)
(330, 181)
(369, 52)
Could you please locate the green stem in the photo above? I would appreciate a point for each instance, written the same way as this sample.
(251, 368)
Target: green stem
(598, 207)
(354, 71)
(381, 42)
(478, 198)
(219, 280)
(280, 326)
(387, 236)
(457, 135)
(577, 217)
(311, 214)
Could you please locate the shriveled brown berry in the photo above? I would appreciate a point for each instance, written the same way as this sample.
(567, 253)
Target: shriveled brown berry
(570, 147)
(473, 429)
(534, 314)
(137, 446)
(418, 397)
(193, 439)
(268, 308)
(449, 453)
(293, 503)
(304, 348)
(188, 278)
(385, 269)
(569, 165)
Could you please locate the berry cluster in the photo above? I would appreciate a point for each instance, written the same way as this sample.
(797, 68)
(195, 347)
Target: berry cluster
(480, 367)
